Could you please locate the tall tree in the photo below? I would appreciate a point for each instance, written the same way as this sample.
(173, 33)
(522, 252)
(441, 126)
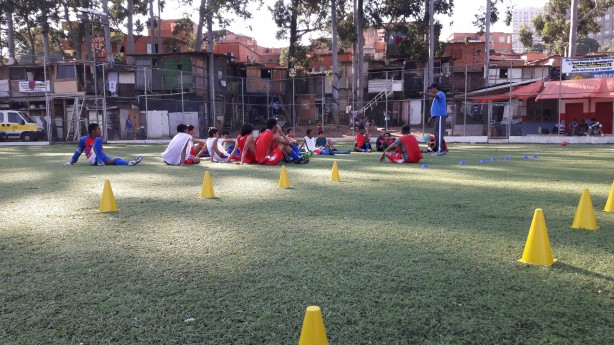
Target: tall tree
(8, 8)
(480, 17)
(27, 34)
(553, 26)
(104, 20)
(76, 30)
(335, 55)
(124, 12)
(297, 18)
(525, 36)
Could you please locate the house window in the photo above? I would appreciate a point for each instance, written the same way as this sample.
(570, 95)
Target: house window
(265, 73)
(501, 39)
(503, 73)
(66, 72)
(18, 74)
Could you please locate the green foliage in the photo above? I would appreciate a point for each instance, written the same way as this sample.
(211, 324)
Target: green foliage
(299, 63)
(525, 35)
(394, 254)
(480, 17)
(553, 26)
(586, 45)
(295, 20)
(538, 48)
(414, 46)
(608, 48)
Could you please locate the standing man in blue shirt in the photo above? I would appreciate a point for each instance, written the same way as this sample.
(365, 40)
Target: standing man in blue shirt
(439, 112)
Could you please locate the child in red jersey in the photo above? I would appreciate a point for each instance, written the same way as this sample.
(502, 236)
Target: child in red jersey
(272, 144)
(245, 145)
(361, 143)
(403, 150)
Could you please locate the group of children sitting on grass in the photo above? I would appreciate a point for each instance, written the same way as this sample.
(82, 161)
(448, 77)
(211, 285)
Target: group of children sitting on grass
(269, 147)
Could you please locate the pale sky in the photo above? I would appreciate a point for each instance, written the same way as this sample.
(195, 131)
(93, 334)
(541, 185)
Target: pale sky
(263, 28)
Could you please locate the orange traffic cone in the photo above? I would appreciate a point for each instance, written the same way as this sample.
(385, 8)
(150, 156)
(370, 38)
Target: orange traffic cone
(284, 182)
(609, 205)
(206, 191)
(107, 202)
(537, 249)
(313, 332)
(585, 215)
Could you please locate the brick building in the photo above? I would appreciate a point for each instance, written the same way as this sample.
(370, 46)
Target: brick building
(500, 42)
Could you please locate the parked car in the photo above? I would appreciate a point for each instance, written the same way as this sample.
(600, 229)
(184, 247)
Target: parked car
(18, 125)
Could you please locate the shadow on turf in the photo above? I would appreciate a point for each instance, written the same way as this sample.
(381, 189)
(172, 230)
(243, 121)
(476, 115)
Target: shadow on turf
(368, 289)
(562, 266)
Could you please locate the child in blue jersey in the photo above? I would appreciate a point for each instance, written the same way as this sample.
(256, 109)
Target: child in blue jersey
(92, 146)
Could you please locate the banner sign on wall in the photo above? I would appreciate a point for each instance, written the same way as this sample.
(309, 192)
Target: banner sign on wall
(34, 86)
(601, 64)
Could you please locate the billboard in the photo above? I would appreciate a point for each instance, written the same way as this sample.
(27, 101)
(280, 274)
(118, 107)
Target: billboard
(34, 86)
(587, 65)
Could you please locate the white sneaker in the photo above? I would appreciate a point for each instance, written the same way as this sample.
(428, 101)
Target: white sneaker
(136, 160)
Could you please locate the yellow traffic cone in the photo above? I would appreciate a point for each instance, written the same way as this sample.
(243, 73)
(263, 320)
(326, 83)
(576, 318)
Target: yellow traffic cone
(609, 205)
(313, 332)
(284, 182)
(334, 175)
(207, 190)
(585, 215)
(537, 249)
(107, 202)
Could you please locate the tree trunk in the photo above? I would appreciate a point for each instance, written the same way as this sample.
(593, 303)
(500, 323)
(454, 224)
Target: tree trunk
(487, 45)
(361, 53)
(152, 32)
(159, 29)
(130, 43)
(104, 20)
(431, 62)
(73, 33)
(293, 37)
(89, 56)
(198, 46)
(45, 32)
(333, 11)
(354, 63)
(573, 29)
(32, 42)
(211, 61)
(10, 37)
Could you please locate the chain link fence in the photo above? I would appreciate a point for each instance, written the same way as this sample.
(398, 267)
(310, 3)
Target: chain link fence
(147, 100)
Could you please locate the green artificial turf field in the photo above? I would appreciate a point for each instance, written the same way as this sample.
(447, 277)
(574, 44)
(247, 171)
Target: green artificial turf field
(393, 254)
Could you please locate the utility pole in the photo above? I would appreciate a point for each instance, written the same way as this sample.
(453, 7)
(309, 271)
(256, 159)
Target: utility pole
(152, 32)
(431, 62)
(487, 45)
(573, 29)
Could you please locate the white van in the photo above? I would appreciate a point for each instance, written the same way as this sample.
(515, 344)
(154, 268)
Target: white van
(19, 125)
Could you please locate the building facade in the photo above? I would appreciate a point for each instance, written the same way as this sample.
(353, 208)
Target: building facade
(523, 16)
(606, 23)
